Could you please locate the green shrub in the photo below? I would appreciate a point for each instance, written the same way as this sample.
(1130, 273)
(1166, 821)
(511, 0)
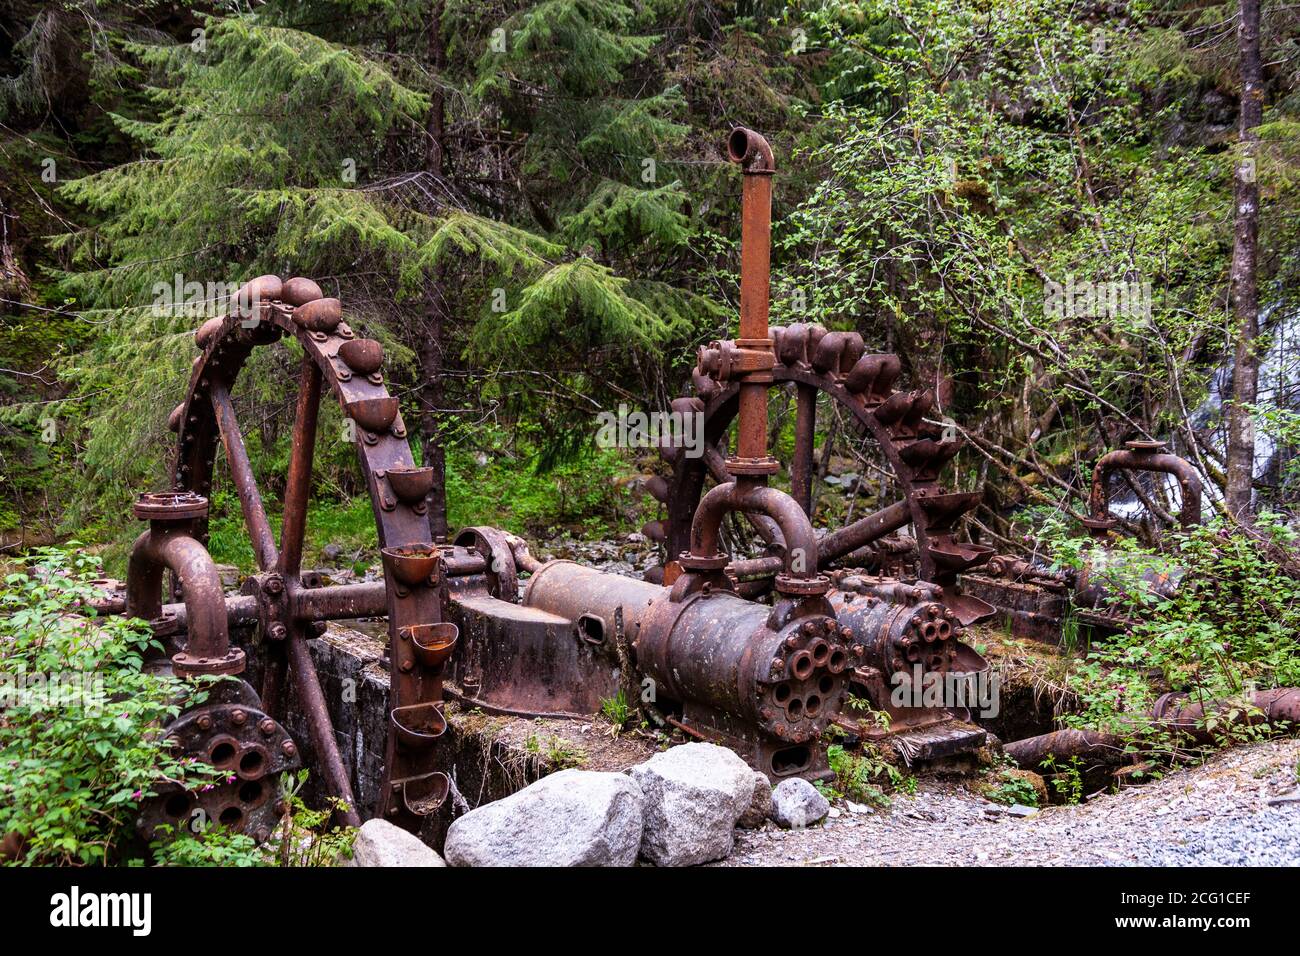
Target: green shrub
(79, 741)
(1226, 630)
(860, 776)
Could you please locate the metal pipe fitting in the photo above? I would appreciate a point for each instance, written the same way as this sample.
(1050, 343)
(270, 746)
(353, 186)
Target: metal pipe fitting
(161, 548)
(800, 561)
(1145, 456)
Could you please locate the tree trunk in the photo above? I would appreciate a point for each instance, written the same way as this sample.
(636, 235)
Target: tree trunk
(1243, 289)
(433, 343)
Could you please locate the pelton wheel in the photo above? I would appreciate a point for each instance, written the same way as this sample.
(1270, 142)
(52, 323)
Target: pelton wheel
(815, 360)
(264, 311)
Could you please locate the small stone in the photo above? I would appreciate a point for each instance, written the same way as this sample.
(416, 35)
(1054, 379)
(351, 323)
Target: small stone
(230, 576)
(379, 843)
(331, 552)
(760, 803)
(796, 804)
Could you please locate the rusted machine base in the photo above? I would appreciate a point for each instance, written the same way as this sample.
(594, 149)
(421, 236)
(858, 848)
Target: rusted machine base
(1025, 609)
(522, 660)
(951, 738)
(777, 759)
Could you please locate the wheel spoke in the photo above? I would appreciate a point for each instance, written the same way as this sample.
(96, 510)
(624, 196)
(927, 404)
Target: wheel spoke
(298, 483)
(805, 432)
(241, 473)
(312, 700)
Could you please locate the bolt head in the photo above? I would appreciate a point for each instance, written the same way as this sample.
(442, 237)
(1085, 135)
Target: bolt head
(267, 726)
(205, 722)
(239, 718)
(279, 632)
(289, 748)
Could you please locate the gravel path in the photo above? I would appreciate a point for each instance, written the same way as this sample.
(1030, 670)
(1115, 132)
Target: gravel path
(1214, 814)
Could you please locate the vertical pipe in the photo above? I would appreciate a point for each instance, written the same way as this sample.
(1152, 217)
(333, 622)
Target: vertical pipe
(805, 432)
(752, 152)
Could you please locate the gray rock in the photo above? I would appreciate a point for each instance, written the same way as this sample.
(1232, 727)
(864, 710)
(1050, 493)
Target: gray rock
(230, 576)
(760, 804)
(694, 794)
(331, 552)
(379, 843)
(797, 804)
(570, 818)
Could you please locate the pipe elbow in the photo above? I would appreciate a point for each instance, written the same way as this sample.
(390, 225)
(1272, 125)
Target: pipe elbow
(750, 151)
(800, 539)
(201, 591)
(1124, 459)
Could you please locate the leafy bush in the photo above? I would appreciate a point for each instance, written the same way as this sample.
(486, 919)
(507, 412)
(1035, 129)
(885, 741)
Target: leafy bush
(79, 742)
(1013, 788)
(80, 746)
(1227, 629)
(859, 776)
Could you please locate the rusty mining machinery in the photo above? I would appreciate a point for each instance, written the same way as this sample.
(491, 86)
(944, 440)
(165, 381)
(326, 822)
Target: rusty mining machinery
(1033, 600)
(761, 654)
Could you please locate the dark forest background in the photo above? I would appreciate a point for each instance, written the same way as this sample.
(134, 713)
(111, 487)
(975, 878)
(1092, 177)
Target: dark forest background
(529, 204)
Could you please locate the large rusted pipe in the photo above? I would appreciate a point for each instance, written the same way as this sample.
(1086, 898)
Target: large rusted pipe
(1030, 753)
(1174, 712)
(753, 154)
(1178, 712)
(570, 590)
(782, 672)
(800, 560)
(1146, 458)
(208, 649)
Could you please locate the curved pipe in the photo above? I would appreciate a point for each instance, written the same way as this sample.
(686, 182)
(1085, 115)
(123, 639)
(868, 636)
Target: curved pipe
(524, 561)
(750, 150)
(1131, 460)
(800, 539)
(157, 550)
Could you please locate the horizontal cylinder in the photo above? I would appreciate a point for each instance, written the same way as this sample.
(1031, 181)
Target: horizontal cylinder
(717, 650)
(573, 591)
